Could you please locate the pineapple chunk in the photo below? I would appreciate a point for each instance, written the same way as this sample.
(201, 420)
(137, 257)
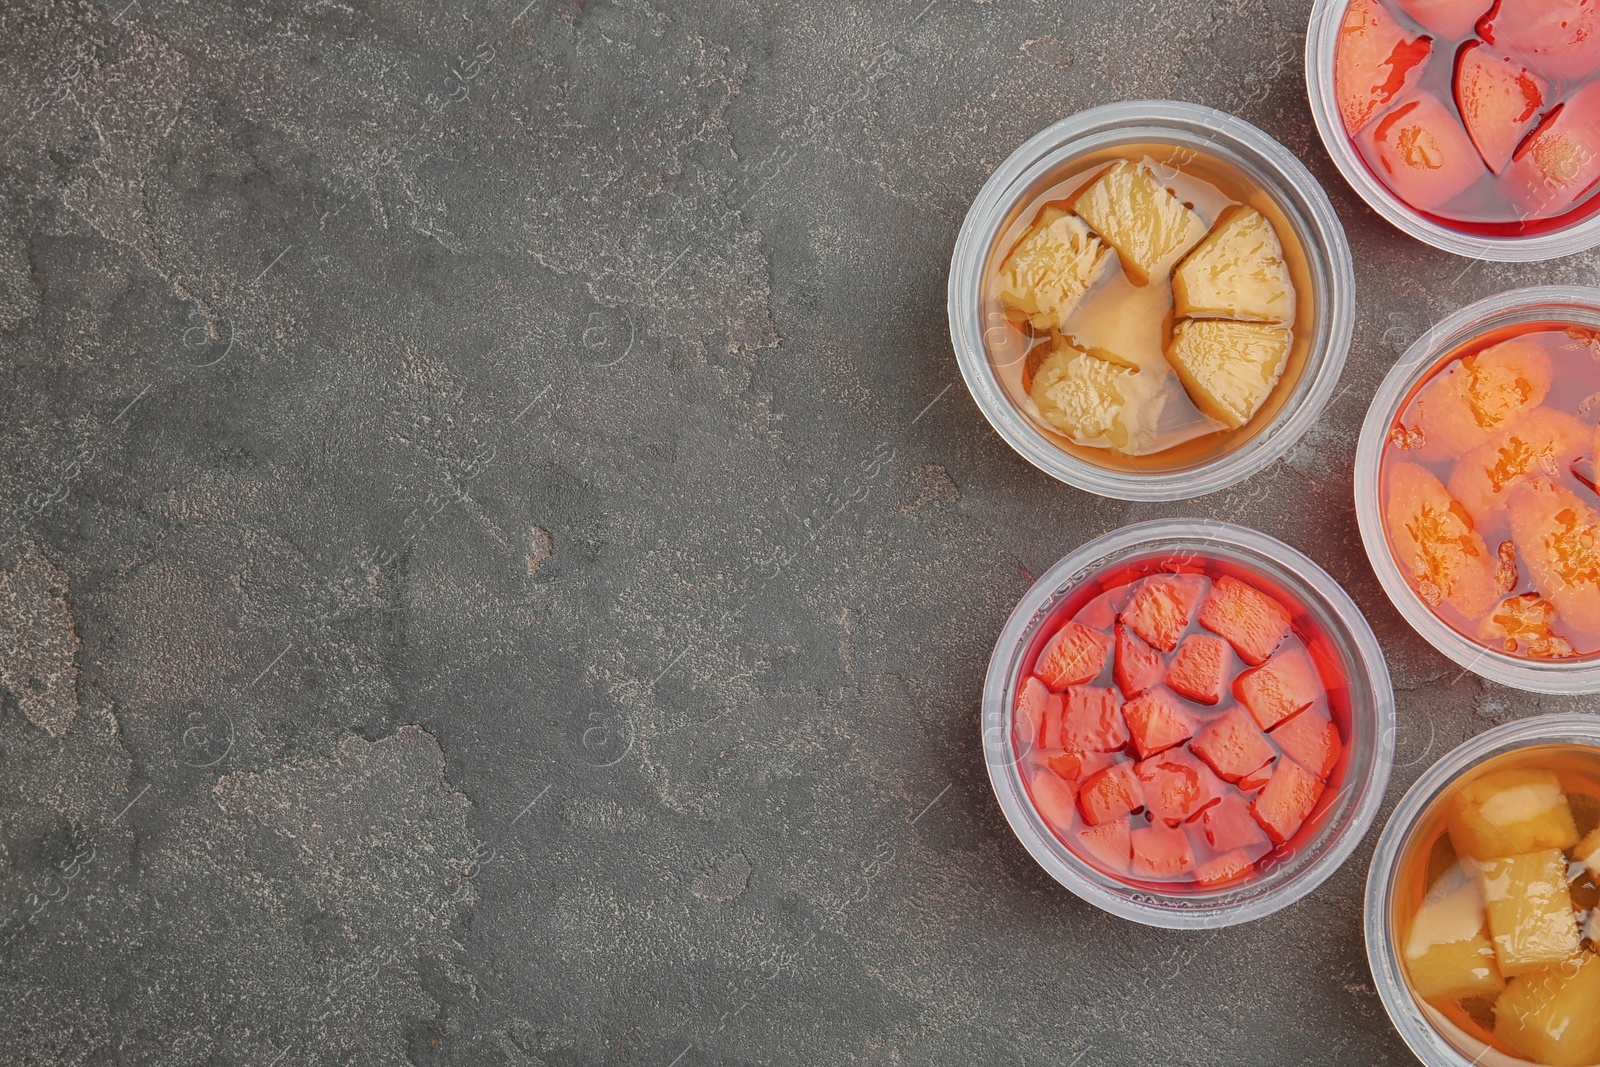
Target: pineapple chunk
(1588, 853)
(1530, 911)
(1553, 1016)
(1096, 401)
(1237, 272)
(1050, 268)
(1228, 368)
(1148, 226)
(1510, 812)
(1448, 955)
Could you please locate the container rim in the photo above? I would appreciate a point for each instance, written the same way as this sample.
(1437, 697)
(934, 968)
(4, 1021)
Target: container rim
(1372, 699)
(1530, 304)
(1182, 124)
(1322, 38)
(1425, 1042)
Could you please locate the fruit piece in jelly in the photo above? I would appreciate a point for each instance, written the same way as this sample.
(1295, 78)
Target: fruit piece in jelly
(1228, 825)
(1176, 786)
(1374, 61)
(1549, 1016)
(1050, 268)
(1559, 162)
(1435, 544)
(1229, 368)
(1447, 18)
(1285, 802)
(1110, 794)
(1160, 608)
(1138, 666)
(1558, 538)
(1423, 152)
(1531, 923)
(1509, 812)
(1233, 745)
(1160, 852)
(1541, 442)
(1499, 100)
(1237, 272)
(1075, 766)
(1283, 686)
(1479, 394)
(1561, 38)
(1525, 624)
(1096, 402)
(1053, 798)
(1447, 949)
(1157, 722)
(1108, 843)
(1228, 867)
(1311, 740)
(1075, 655)
(1134, 212)
(1034, 704)
(1587, 852)
(1091, 720)
(1199, 669)
(1252, 622)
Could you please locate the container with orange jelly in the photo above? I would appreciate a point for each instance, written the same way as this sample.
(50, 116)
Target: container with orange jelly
(1476, 488)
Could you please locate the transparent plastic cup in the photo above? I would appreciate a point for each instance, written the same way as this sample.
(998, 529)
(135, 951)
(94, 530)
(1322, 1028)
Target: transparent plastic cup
(1420, 1025)
(1557, 303)
(1347, 806)
(1322, 40)
(1259, 160)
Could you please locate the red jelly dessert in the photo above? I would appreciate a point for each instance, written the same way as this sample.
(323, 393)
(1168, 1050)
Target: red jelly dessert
(1205, 738)
(1482, 115)
(1487, 486)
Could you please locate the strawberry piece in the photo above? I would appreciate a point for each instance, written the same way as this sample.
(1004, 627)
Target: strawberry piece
(1034, 706)
(1176, 786)
(1160, 608)
(1138, 666)
(1091, 720)
(1228, 826)
(1311, 740)
(1448, 18)
(1423, 153)
(1285, 684)
(1233, 746)
(1160, 853)
(1228, 867)
(1074, 766)
(1075, 655)
(1110, 794)
(1200, 668)
(1286, 800)
(1157, 722)
(1108, 843)
(1374, 61)
(1561, 38)
(1499, 100)
(1559, 163)
(1252, 622)
(1052, 798)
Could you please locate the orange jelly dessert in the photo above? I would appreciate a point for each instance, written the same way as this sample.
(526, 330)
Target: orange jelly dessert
(1494, 908)
(1180, 723)
(1148, 308)
(1488, 493)
(1483, 115)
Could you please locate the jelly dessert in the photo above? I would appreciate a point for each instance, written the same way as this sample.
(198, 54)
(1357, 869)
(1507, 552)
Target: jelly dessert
(1483, 115)
(1179, 724)
(1494, 907)
(1147, 307)
(1488, 491)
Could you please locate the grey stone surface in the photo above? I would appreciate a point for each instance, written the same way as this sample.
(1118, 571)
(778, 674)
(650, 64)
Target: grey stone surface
(430, 634)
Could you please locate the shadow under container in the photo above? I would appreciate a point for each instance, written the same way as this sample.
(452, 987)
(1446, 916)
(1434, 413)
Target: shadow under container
(1355, 790)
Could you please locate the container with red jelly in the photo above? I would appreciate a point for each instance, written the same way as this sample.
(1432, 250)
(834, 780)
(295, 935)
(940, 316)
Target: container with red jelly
(1473, 125)
(1188, 723)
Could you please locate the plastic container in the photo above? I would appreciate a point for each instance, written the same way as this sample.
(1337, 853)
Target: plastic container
(1347, 806)
(1410, 1016)
(1322, 38)
(1574, 304)
(1260, 161)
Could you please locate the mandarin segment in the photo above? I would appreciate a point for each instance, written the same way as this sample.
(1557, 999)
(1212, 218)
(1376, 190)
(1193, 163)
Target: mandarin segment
(1478, 394)
(1436, 544)
(1543, 442)
(1525, 625)
(1558, 539)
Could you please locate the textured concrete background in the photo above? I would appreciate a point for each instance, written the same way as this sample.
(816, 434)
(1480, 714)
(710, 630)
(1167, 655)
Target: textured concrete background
(498, 563)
